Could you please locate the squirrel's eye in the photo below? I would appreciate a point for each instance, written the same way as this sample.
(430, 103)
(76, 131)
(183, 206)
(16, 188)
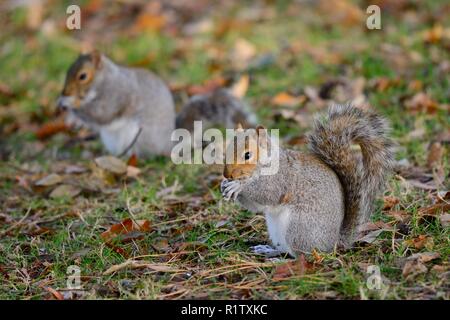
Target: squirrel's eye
(82, 76)
(247, 155)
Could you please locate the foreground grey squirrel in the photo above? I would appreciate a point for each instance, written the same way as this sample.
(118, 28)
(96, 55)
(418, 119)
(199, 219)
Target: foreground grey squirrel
(317, 199)
(133, 109)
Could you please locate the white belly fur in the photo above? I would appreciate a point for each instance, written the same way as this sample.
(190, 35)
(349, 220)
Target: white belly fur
(118, 135)
(277, 220)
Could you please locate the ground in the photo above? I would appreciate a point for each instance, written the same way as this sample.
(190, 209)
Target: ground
(61, 209)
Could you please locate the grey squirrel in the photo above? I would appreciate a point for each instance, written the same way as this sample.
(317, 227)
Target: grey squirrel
(133, 109)
(217, 108)
(317, 199)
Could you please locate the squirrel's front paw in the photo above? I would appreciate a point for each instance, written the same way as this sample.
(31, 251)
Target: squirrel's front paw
(230, 189)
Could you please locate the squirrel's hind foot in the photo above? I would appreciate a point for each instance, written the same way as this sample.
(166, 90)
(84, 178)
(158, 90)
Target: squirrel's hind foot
(266, 250)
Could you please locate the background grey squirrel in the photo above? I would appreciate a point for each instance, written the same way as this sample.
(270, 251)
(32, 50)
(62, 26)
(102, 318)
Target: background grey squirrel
(318, 199)
(133, 110)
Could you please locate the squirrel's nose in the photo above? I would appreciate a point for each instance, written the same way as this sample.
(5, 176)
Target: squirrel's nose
(227, 173)
(61, 105)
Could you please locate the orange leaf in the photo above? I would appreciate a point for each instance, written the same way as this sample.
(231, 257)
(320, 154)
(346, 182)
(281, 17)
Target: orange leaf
(50, 129)
(133, 160)
(287, 100)
(55, 293)
(390, 202)
(148, 21)
(292, 268)
(124, 231)
(208, 86)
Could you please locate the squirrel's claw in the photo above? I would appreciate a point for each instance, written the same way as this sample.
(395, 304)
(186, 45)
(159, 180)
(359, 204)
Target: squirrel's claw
(266, 250)
(230, 189)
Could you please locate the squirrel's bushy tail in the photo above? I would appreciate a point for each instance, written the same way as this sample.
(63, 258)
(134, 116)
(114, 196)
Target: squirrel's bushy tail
(331, 141)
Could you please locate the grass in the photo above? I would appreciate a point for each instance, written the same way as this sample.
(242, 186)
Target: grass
(203, 242)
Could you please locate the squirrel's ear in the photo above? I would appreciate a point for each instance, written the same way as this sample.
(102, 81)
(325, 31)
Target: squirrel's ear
(96, 57)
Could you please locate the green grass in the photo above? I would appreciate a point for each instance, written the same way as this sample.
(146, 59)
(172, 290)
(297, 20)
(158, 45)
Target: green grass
(194, 230)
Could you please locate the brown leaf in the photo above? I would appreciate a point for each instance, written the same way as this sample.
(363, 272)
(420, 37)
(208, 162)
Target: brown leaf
(389, 202)
(133, 160)
(435, 34)
(287, 100)
(292, 268)
(239, 89)
(400, 216)
(149, 22)
(413, 268)
(371, 236)
(415, 264)
(208, 86)
(55, 293)
(126, 231)
(65, 190)
(136, 264)
(112, 164)
(162, 245)
(50, 180)
(425, 256)
(420, 242)
(434, 209)
(133, 172)
(342, 13)
(51, 128)
(421, 102)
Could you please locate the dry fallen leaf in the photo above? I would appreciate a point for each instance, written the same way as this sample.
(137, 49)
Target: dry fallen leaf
(292, 268)
(389, 202)
(420, 242)
(208, 86)
(136, 264)
(425, 256)
(436, 34)
(415, 264)
(133, 172)
(413, 268)
(287, 100)
(112, 164)
(126, 231)
(434, 209)
(239, 89)
(133, 161)
(50, 129)
(421, 102)
(371, 236)
(400, 216)
(50, 180)
(341, 12)
(65, 190)
(55, 293)
(149, 22)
